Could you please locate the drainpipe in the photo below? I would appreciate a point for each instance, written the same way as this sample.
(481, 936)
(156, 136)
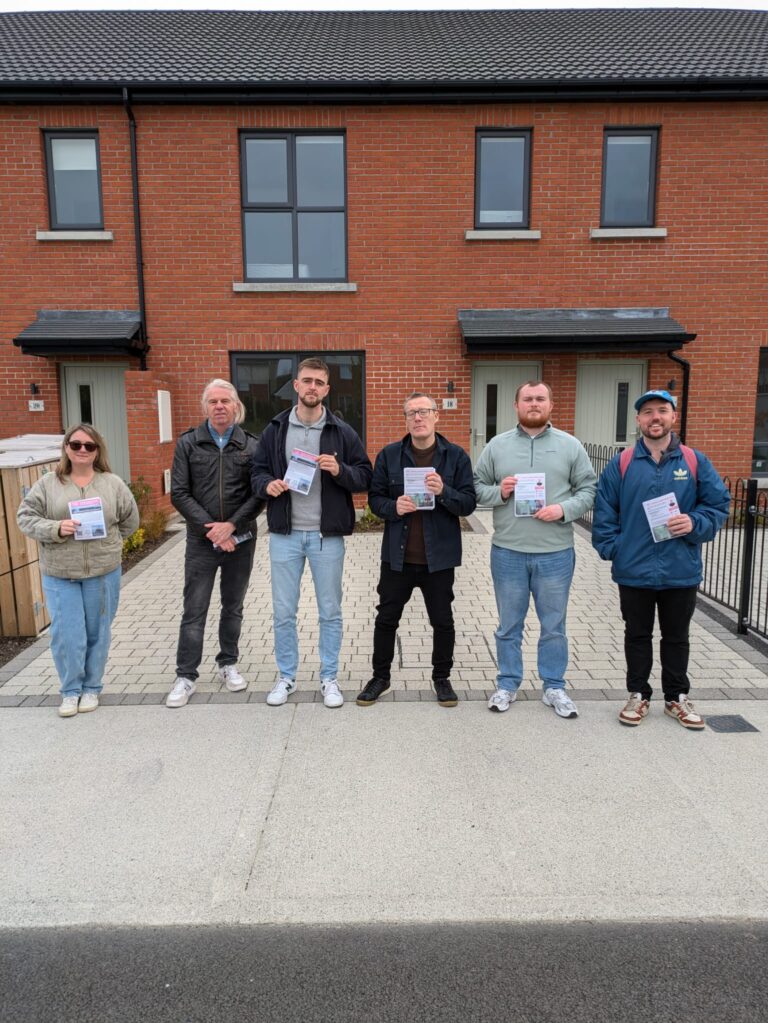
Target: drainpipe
(684, 399)
(144, 336)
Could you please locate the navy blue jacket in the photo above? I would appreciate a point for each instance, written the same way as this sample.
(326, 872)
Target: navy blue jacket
(620, 530)
(337, 514)
(442, 530)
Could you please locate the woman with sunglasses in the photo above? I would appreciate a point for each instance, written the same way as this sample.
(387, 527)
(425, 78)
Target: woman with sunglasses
(80, 554)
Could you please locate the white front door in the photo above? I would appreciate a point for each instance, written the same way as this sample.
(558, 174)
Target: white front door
(96, 395)
(493, 398)
(605, 396)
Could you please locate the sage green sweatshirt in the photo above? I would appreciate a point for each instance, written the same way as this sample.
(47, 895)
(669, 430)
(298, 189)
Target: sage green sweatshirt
(570, 481)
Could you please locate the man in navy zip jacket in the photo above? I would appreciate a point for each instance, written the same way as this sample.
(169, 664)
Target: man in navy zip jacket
(663, 574)
(421, 545)
(309, 525)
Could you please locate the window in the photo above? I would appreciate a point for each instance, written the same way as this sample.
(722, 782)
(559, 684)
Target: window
(74, 180)
(294, 206)
(502, 179)
(760, 447)
(629, 177)
(265, 385)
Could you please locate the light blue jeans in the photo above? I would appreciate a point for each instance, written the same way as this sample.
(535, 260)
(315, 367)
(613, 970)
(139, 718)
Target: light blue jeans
(287, 556)
(548, 577)
(81, 613)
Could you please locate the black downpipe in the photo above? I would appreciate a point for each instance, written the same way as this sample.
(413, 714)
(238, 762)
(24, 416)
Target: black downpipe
(144, 335)
(684, 398)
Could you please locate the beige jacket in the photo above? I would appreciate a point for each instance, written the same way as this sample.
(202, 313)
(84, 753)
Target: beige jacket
(63, 557)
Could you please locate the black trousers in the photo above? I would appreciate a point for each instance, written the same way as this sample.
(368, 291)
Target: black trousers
(395, 589)
(638, 609)
(200, 566)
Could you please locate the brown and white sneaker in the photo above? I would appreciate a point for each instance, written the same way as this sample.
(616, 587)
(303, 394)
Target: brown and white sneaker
(634, 710)
(685, 712)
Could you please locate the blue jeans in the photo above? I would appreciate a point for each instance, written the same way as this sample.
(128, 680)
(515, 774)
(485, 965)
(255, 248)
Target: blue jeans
(548, 577)
(287, 556)
(81, 613)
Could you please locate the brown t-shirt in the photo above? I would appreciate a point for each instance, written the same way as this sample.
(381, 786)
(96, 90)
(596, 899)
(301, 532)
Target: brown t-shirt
(415, 554)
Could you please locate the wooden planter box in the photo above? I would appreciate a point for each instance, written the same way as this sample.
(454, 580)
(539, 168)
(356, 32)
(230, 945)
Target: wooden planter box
(23, 460)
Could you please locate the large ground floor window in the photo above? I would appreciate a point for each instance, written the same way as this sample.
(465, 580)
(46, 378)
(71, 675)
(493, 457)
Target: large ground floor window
(760, 448)
(264, 382)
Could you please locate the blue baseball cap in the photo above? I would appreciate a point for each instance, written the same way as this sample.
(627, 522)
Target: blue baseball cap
(660, 395)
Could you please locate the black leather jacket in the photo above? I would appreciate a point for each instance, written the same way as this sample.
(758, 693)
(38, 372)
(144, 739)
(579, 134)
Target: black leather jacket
(337, 510)
(211, 484)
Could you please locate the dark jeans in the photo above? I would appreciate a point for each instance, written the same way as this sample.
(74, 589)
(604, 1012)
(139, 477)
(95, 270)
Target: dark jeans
(395, 589)
(638, 609)
(200, 565)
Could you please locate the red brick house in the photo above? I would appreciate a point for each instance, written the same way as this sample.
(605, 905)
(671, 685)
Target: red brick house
(448, 201)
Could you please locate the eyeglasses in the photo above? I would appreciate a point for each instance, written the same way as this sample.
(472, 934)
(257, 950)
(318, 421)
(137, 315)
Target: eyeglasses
(87, 445)
(420, 413)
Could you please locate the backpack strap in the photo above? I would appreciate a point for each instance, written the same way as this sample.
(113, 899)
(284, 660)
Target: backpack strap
(688, 454)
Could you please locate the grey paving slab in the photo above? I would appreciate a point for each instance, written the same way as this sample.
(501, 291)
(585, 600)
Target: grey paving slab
(247, 814)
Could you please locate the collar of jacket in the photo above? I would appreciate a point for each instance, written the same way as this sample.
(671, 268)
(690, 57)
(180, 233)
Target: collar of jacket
(202, 436)
(282, 417)
(406, 444)
(524, 433)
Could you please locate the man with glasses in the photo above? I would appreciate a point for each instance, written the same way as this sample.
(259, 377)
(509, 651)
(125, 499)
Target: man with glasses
(307, 465)
(211, 488)
(422, 540)
(538, 480)
(655, 551)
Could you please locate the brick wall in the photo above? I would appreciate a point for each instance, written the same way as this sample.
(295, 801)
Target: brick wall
(410, 173)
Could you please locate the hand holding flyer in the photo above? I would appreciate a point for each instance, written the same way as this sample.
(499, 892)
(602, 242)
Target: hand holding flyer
(659, 511)
(415, 487)
(90, 514)
(301, 471)
(530, 494)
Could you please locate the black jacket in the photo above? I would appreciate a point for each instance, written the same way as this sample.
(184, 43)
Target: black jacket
(442, 530)
(211, 484)
(337, 517)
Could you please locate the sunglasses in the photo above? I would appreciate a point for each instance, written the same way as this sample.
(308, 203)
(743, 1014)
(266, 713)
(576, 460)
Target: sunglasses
(88, 445)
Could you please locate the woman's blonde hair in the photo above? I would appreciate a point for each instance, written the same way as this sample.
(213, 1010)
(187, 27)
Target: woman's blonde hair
(101, 462)
(239, 407)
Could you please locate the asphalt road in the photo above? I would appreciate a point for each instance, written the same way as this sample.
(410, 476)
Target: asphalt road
(676, 972)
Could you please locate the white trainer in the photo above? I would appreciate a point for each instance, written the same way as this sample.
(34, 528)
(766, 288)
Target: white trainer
(501, 700)
(562, 704)
(88, 702)
(231, 677)
(68, 706)
(281, 691)
(332, 696)
(181, 692)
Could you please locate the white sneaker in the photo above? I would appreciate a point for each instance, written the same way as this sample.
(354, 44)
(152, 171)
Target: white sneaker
(281, 691)
(501, 699)
(231, 677)
(561, 702)
(68, 707)
(332, 697)
(88, 702)
(181, 692)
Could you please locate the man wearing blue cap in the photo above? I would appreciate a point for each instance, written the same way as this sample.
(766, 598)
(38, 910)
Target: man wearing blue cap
(657, 503)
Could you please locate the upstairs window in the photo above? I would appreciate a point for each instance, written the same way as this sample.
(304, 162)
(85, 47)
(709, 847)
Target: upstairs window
(502, 179)
(294, 206)
(74, 180)
(629, 177)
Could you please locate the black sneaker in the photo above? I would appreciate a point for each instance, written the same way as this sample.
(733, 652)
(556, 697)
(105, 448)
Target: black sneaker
(372, 692)
(446, 696)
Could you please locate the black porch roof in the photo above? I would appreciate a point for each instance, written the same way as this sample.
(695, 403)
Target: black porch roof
(88, 332)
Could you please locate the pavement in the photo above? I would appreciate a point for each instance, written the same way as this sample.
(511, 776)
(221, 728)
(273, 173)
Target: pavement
(231, 813)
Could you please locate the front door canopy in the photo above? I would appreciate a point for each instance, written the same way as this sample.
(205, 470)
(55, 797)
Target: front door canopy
(526, 331)
(87, 332)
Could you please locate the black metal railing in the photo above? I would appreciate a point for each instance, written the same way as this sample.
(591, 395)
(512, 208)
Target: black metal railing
(736, 562)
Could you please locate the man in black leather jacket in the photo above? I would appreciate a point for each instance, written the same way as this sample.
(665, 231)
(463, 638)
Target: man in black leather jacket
(210, 487)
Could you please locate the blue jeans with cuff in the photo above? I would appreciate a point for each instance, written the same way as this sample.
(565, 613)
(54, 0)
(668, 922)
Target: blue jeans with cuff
(517, 576)
(82, 611)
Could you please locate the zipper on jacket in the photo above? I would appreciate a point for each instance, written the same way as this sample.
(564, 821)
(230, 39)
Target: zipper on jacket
(221, 484)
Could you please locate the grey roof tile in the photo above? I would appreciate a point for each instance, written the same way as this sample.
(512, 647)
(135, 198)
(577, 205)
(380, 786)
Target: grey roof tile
(236, 49)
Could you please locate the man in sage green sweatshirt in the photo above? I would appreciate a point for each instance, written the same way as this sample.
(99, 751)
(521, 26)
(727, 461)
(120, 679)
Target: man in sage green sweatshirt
(538, 480)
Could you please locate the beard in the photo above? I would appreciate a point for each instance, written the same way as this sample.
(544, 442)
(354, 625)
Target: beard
(310, 400)
(532, 419)
(656, 431)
